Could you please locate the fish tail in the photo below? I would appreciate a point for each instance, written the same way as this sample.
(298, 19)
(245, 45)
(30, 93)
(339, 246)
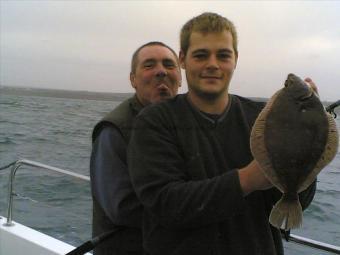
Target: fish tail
(287, 212)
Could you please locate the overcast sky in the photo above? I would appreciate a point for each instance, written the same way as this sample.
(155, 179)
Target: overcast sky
(87, 45)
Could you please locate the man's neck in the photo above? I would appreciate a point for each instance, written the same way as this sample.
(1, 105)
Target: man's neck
(215, 106)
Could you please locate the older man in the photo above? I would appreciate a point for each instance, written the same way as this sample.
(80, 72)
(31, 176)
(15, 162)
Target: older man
(155, 76)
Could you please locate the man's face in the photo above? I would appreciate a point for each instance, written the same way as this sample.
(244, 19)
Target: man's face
(209, 64)
(157, 76)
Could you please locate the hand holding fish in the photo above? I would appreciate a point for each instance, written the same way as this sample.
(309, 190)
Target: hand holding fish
(293, 139)
(312, 85)
(252, 178)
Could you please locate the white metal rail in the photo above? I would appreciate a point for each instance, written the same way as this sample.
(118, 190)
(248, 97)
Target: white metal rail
(293, 238)
(14, 169)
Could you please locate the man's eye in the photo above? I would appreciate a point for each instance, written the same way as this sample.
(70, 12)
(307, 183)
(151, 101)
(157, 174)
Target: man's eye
(169, 64)
(224, 56)
(199, 56)
(148, 65)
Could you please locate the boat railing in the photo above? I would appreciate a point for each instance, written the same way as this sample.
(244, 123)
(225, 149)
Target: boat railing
(15, 166)
(14, 169)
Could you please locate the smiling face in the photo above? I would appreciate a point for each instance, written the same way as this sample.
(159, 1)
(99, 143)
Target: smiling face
(157, 75)
(209, 64)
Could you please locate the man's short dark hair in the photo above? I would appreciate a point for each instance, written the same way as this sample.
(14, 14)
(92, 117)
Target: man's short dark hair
(135, 54)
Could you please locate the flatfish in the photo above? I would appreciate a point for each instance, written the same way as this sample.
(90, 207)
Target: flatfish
(293, 139)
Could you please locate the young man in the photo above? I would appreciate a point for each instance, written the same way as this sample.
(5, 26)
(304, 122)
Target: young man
(155, 75)
(190, 161)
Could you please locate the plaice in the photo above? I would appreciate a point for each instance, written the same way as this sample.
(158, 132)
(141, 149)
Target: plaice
(293, 139)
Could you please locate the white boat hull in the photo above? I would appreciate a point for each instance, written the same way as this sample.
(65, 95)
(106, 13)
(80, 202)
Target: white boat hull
(21, 240)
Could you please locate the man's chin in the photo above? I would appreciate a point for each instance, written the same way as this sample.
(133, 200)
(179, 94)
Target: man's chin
(209, 95)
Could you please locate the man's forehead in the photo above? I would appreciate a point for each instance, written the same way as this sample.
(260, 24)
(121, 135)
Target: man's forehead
(220, 40)
(155, 52)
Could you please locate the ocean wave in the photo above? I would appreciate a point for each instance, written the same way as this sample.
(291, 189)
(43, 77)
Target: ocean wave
(10, 103)
(10, 122)
(321, 205)
(6, 141)
(320, 211)
(330, 193)
(334, 172)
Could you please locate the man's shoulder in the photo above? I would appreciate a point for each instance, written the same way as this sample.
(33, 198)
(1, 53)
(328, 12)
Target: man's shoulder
(170, 105)
(248, 103)
(122, 115)
(248, 108)
(122, 108)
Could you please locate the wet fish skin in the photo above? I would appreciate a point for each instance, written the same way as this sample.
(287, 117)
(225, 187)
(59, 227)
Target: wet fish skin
(292, 139)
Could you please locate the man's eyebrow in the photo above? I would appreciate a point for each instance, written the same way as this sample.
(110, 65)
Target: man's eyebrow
(200, 51)
(153, 60)
(226, 50)
(169, 59)
(206, 50)
(149, 60)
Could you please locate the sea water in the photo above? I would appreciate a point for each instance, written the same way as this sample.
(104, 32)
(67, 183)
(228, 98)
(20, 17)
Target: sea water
(57, 132)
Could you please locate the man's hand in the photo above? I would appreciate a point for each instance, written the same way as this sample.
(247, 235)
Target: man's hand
(252, 178)
(311, 84)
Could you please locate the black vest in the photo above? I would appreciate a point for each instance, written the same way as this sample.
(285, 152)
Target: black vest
(126, 241)
(122, 117)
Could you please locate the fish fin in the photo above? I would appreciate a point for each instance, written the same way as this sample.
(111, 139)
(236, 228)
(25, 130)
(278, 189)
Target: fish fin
(286, 213)
(328, 154)
(258, 147)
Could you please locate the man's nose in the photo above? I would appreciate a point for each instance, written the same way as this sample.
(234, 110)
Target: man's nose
(212, 62)
(161, 71)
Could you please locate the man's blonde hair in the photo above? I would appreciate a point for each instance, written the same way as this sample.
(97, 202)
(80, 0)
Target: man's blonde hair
(207, 22)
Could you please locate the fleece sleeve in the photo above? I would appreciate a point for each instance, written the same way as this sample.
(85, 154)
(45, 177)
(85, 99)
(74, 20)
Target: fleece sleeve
(158, 172)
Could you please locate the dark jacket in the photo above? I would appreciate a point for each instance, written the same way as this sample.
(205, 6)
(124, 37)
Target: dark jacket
(183, 166)
(112, 133)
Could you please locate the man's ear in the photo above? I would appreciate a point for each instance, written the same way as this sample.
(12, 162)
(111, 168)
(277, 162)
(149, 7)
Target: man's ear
(132, 79)
(181, 59)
